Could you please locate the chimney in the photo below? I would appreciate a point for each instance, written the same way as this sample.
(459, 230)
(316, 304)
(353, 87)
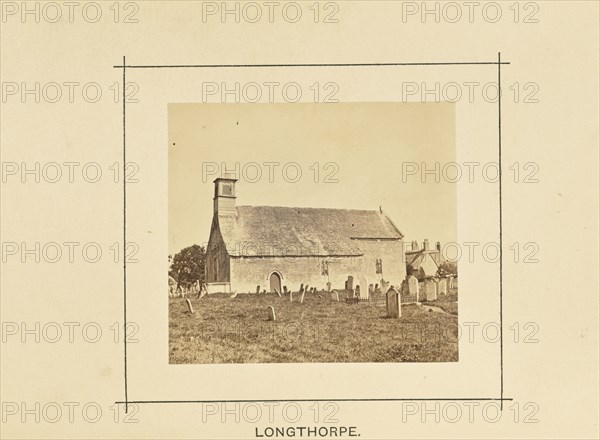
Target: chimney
(438, 246)
(426, 244)
(224, 200)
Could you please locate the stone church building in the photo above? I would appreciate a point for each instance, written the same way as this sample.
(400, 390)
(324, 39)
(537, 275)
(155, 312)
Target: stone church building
(268, 247)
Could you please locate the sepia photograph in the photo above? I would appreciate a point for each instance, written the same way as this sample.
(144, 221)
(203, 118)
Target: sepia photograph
(325, 240)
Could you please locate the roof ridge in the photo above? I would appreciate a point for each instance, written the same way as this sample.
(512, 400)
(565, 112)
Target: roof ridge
(307, 207)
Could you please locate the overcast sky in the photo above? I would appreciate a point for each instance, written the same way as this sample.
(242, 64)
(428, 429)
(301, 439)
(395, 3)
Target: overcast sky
(362, 146)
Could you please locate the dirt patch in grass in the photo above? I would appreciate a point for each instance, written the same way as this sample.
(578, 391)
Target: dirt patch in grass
(236, 330)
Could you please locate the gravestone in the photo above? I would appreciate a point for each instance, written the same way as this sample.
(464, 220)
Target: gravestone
(450, 282)
(364, 287)
(285, 289)
(189, 304)
(404, 287)
(265, 291)
(413, 287)
(430, 291)
(301, 288)
(301, 297)
(376, 287)
(292, 295)
(328, 286)
(442, 287)
(257, 289)
(357, 291)
(277, 292)
(392, 302)
(371, 289)
(271, 312)
(350, 283)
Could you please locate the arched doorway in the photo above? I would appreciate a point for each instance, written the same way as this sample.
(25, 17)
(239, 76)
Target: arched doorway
(275, 282)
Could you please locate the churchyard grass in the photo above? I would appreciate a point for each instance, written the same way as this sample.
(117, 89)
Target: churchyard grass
(237, 330)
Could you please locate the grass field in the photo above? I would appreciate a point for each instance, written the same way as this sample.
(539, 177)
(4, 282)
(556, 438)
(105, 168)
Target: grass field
(236, 330)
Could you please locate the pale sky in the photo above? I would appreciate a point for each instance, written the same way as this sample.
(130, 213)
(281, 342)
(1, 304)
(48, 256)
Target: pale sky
(365, 145)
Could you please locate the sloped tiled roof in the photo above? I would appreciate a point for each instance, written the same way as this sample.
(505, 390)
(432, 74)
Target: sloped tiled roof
(283, 231)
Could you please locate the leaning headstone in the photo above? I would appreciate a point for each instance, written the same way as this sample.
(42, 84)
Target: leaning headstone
(271, 311)
(301, 297)
(189, 304)
(430, 291)
(413, 287)
(442, 287)
(392, 302)
(277, 292)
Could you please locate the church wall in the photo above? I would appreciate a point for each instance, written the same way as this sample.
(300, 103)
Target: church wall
(391, 254)
(247, 273)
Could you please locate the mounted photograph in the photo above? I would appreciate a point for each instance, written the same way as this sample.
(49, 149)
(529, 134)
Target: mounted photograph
(312, 233)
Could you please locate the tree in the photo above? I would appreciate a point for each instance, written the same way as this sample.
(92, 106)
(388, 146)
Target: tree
(187, 265)
(447, 268)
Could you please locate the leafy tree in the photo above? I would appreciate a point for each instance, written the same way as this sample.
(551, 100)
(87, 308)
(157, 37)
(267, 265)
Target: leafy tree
(187, 266)
(447, 268)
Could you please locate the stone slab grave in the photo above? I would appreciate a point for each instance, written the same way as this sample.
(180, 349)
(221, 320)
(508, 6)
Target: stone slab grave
(392, 302)
(430, 291)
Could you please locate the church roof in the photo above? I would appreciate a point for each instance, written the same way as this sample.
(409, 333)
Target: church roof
(283, 231)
